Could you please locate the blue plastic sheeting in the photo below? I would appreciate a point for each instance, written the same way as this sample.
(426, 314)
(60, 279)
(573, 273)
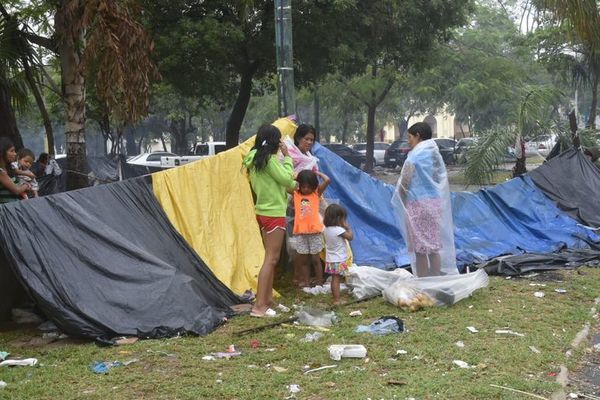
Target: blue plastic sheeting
(377, 238)
(510, 218)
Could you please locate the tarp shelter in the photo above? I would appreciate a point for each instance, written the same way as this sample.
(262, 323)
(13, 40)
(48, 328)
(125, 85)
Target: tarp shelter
(510, 218)
(106, 261)
(573, 182)
(129, 257)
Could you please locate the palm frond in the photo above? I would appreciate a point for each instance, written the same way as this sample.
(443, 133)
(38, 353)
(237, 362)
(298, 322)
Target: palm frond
(488, 152)
(535, 108)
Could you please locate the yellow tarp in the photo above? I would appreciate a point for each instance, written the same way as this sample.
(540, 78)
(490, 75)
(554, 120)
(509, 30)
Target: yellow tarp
(210, 204)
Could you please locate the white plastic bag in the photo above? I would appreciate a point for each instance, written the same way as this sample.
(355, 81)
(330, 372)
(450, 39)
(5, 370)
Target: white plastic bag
(450, 289)
(370, 281)
(406, 294)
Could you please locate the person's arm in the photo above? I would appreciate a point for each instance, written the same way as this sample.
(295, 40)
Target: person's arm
(10, 185)
(326, 181)
(283, 174)
(28, 174)
(405, 178)
(348, 235)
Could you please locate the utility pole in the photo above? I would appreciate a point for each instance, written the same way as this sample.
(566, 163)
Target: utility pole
(285, 57)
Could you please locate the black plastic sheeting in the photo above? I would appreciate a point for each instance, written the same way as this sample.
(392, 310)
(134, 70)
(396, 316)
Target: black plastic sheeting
(573, 182)
(523, 263)
(103, 169)
(105, 261)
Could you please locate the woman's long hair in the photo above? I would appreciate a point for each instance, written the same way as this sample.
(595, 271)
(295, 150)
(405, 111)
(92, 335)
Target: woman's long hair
(266, 144)
(5, 144)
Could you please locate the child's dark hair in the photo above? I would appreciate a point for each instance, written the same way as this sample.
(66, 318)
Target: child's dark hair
(334, 215)
(303, 130)
(421, 129)
(43, 158)
(307, 177)
(25, 153)
(266, 143)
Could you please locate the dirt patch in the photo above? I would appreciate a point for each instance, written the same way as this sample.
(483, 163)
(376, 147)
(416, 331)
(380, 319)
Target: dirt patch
(585, 379)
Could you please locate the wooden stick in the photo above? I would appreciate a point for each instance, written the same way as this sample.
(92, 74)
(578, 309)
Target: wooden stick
(519, 391)
(260, 328)
(292, 319)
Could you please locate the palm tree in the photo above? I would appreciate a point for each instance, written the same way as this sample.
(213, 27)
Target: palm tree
(20, 72)
(102, 39)
(533, 116)
(581, 19)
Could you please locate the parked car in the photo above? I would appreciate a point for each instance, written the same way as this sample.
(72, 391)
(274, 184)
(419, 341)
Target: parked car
(198, 152)
(396, 154)
(350, 155)
(149, 159)
(446, 147)
(460, 150)
(378, 151)
(208, 148)
(540, 145)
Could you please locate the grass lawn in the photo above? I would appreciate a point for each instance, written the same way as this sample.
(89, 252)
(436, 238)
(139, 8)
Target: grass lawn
(174, 369)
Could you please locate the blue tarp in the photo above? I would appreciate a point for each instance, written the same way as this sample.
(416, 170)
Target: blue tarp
(510, 218)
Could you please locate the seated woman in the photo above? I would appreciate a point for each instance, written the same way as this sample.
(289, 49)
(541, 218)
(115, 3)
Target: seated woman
(9, 190)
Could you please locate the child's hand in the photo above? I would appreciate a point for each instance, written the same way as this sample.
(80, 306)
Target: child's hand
(283, 148)
(29, 174)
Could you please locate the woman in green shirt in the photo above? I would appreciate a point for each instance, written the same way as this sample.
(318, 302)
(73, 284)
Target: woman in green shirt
(270, 179)
(9, 190)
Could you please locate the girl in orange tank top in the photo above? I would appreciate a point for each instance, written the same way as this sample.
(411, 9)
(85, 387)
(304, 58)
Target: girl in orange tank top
(307, 237)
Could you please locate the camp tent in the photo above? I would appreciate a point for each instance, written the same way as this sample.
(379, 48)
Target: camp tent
(168, 253)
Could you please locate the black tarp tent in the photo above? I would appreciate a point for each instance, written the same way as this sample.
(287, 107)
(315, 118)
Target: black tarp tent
(106, 261)
(573, 182)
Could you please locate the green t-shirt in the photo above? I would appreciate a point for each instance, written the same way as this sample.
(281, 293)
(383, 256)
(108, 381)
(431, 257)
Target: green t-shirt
(6, 196)
(270, 184)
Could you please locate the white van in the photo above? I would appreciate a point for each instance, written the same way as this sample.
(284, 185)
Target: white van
(200, 151)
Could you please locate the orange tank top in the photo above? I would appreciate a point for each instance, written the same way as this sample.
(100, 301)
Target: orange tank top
(307, 219)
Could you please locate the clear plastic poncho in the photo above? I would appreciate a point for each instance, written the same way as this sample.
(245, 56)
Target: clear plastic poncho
(422, 203)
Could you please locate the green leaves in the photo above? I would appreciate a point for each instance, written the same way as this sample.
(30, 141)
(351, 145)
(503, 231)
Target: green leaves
(488, 152)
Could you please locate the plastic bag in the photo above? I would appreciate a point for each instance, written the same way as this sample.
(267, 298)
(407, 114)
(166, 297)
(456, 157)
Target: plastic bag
(450, 289)
(407, 295)
(316, 317)
(369, 281)
(382, 326)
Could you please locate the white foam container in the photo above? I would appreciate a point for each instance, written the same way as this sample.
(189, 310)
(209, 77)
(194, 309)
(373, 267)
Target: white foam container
(339, 351)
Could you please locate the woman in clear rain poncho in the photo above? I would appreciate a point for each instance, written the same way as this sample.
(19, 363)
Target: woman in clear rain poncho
(422, 200)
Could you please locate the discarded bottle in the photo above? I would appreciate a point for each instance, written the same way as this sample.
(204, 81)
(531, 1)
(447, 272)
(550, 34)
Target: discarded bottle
(339, 351)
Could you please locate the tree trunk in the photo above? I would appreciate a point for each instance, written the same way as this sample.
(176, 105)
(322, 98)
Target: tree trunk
(591, 124)
(73, 90)
(317, 113)
(162, 140)
(520, 167)
(104, 124)
(8, 126)
(344, 130)
(140, 143)
(234, 122)
(371, 110)
(131, 146)
(402, 127)
(41, 105)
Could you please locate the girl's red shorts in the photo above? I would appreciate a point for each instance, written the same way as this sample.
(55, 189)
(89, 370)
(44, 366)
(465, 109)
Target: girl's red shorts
(269, 224)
